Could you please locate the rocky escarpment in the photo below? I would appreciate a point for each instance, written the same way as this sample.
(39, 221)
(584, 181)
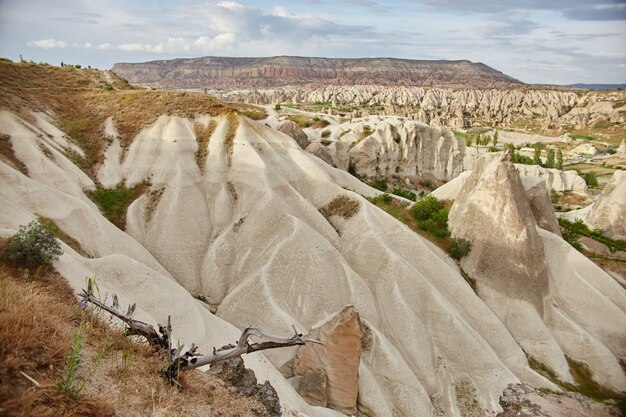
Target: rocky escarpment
(452, 107)
(223, 72)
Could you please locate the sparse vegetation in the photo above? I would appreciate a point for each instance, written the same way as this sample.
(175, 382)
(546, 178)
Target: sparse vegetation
(33, 245)
(432, 216)
(584, 381)
(203, 136)
(591, 179)
(572, 231)
(582, 136)
(459, 248)
(305, 121)
(409, 195)
(231, 131)
(380, 184)
(254, 114)
(61, 235)
(342, 206)
(113, 202)
(6, 150)
(39, 320)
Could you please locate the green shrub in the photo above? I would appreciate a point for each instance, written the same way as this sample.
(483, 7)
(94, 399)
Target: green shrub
(384, 198)
(277, 107)
(113, 202)
(404, 193)
(109, 87)
(459, 247)
(379, 184)
(426, 207)
(33, 245)
(326, 133)
(591, 179)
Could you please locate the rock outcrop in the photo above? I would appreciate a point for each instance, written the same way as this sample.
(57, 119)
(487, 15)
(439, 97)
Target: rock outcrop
(524, 400)
(292, 129)
(337, 359)
(521, 271)
(608, 212)
(392, 147)
(224, 72)
(492, 211)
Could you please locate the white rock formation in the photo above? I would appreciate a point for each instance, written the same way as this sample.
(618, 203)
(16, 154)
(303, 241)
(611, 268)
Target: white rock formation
(390, 146)
(452, 107)
(608, 212)
(523, 273)
(248, 236)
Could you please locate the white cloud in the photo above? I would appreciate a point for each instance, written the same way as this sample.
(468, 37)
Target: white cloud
(47, 44)
(105, 46)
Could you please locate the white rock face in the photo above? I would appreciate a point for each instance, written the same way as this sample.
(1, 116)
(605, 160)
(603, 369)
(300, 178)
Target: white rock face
(521, 274)
(555, 179)
(249, 236)
(586, 149)
(387, 147)
(608, 213)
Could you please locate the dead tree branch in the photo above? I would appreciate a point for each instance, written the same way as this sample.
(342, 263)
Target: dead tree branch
(181, 359)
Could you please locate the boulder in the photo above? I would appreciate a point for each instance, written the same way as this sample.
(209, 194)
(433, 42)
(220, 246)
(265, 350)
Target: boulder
(292, 129)
(321, 151)
(338, 358)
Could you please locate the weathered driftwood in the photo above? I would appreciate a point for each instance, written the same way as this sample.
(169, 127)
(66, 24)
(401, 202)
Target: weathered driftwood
(181, 359)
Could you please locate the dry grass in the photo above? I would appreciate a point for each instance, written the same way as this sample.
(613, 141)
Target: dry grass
(154, 197)
(231, 131)
(342, 206)
(37, 324)
(80, 105)
(6, 150)
(203, 137)
(39, 317)
(59, 233)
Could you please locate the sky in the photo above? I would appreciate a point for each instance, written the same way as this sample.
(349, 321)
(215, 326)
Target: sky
(535, 41)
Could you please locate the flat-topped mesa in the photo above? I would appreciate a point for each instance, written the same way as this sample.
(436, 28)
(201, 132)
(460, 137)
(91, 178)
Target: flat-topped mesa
(224, 72)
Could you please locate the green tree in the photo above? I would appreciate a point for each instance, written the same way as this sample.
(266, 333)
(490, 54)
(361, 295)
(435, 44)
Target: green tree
(478, 140)
(550, 158)
(537, 154)
(34, 244)
(559, 159)
(495, 138)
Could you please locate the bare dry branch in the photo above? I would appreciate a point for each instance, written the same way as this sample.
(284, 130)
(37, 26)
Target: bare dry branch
(181, 360)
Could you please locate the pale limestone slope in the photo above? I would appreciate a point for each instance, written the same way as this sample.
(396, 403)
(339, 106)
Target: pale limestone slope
(249, 237)
(272, 259)
(124, 267)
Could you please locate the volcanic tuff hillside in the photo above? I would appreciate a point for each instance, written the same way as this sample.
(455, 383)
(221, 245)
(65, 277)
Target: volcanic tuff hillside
(235, 213)
(222, 72)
